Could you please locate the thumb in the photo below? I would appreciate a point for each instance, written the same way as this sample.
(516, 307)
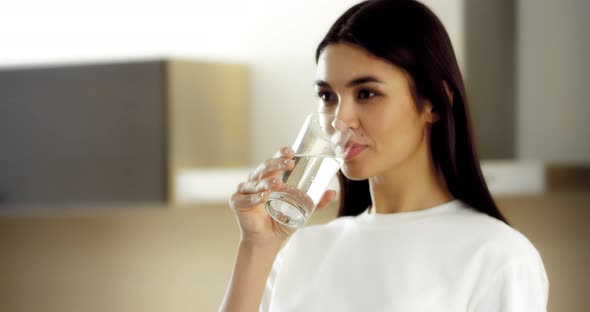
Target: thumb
(329, 195)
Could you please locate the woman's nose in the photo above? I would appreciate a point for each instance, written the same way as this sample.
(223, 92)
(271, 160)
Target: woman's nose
(346, 113)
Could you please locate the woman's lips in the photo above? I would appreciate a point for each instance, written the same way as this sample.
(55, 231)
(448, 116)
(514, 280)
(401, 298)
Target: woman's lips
(355, 149)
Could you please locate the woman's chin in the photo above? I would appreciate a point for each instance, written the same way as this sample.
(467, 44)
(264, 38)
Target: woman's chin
(352, 174)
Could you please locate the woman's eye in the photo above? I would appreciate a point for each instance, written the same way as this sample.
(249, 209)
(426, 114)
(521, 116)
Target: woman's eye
(366, 94)
(325, 96)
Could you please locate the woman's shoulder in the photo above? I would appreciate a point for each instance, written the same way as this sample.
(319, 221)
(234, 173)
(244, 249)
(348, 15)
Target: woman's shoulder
(319, 234)
(333, 227)
(310, 241)
(495, 239)
(503, 255)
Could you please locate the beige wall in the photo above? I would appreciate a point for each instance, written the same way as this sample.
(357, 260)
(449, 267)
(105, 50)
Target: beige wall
(180, 259)
(552, 64)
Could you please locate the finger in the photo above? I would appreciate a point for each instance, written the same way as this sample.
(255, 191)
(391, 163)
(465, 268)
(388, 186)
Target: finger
(271, 167)
(258, 186)
(326, 199)
(241, 202)
(286, 152)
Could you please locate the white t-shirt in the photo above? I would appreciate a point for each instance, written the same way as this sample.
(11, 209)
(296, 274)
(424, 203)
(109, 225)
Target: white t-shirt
(445, 258)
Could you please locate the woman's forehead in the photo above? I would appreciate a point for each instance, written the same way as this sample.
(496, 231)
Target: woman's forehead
(340, 63)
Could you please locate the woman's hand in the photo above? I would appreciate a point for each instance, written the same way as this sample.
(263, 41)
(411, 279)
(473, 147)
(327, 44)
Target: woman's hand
(256, 225)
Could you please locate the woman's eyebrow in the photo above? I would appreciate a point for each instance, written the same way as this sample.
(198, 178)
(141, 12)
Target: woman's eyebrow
(354, 82)
(321, 83)
(362, 80)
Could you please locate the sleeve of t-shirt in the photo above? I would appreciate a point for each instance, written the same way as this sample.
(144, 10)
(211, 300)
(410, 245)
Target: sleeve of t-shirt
(268, 288)
(519, 287)
(270, 282)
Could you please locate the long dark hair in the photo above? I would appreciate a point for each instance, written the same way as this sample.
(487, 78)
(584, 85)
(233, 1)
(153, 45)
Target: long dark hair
(408, 35)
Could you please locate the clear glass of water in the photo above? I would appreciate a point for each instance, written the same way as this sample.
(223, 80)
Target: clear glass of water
(320, 149)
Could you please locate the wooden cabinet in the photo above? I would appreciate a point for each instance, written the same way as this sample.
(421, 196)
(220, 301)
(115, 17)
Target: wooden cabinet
(118, 132)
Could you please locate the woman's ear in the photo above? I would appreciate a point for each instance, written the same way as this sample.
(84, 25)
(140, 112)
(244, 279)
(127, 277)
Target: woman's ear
(449, 92)
(431, 116)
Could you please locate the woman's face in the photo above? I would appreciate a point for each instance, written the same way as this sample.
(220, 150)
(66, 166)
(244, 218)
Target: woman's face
(374, 98)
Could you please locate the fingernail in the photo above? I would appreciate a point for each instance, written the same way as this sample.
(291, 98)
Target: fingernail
(262, 195)
(289, 150)
(275, 181)
(288, 162)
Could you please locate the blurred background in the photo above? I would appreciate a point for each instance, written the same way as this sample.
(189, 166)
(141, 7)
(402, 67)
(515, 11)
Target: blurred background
(126, 125)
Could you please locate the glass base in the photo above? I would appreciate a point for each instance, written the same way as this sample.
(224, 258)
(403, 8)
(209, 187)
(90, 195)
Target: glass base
(286, 210)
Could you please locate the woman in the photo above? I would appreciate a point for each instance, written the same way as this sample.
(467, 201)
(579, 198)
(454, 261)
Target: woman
(417, 227)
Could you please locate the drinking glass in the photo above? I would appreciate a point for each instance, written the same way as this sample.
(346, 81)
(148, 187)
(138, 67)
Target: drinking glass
(320, 149)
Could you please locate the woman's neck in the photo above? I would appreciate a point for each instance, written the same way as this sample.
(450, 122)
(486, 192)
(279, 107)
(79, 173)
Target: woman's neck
(415, 185)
